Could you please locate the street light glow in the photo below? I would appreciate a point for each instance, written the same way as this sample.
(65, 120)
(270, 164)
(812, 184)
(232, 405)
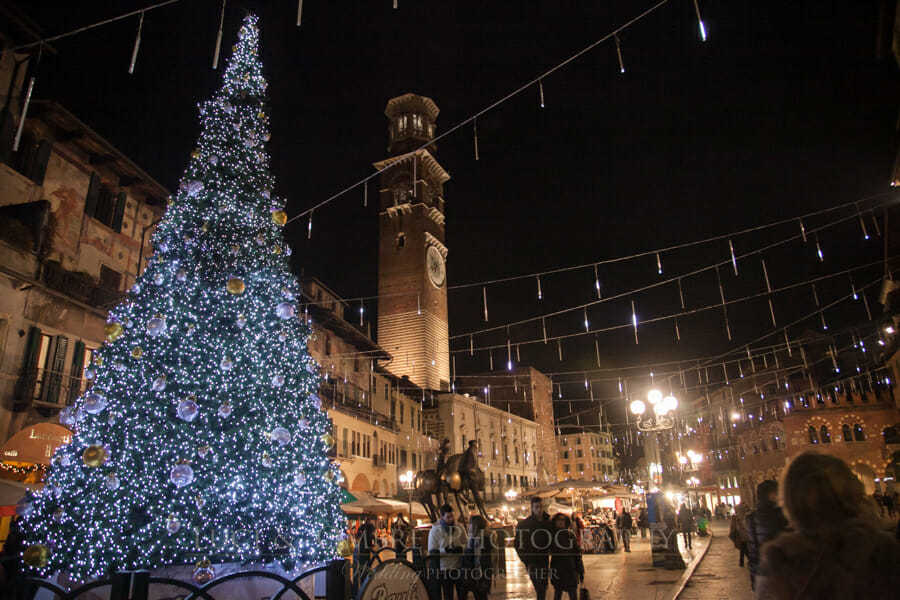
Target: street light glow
(638, 407)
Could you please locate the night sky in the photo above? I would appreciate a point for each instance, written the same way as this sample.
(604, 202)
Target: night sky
(786, 109)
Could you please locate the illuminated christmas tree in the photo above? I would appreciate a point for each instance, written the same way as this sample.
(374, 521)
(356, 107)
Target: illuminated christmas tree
(201, 436)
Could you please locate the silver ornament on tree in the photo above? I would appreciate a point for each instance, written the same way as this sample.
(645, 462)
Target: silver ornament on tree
(158, 279)
(90, 372)
(94, 403)
(241, 320)
(181, 475)
(225, 410)
(112, 482)
(172, 525)
(266, 460)
(156, 326)
(281, 436)
(181, 275)
(299, 479)
(284, 310)
(304, 423)
(278, 380)
(226, 364)
(187, 410)
(193, 188)
(159, 384)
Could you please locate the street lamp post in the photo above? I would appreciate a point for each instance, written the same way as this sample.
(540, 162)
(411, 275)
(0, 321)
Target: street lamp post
(407, 480)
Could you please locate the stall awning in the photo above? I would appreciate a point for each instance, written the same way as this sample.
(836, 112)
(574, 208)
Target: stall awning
(35, 444)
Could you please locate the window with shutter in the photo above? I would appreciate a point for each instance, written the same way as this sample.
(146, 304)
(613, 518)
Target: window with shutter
(54, 376)
(106, 204)
(26, 382)
(118, 212)
(39, 165)
(76, 372)
(90, 201)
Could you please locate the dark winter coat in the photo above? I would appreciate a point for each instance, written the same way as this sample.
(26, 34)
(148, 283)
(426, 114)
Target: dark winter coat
(643, 520)
(853, 559)
(478, 566)
(533, 540)
(763, 524)
(624, 521)
(685, 520)
(566, 565)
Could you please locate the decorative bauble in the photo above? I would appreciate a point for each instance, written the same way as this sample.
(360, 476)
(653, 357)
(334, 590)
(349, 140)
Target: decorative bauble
(235, 286)
(267, 137)
(181, 275)
(260, 239)
(136, 288)
(172, 525)
(195, 153)
(65, 460)
(203, 451)
(287, 293)
(316, 401)
(278, 380)
(113, 330)
(67, 416)
(159, 384)
(111, 418)
(187, 410)
(112, 482)
(158, 279)
(163, 247)
(345, 548)
(204, 227)
(312, 367)
(304, 423)
(94, 403)
(287, 251)
(181, 475)
(276, 249)
(119, 366)
(267, 194)
(192, 188)
(281, 436)
(98, 360)
(214, 160)
(90, 372)
(266, 460)
(241, 320)
(225, 410)
(235, 249)
(36, 555)
(58, 515)
(328, 439)
(204, 573)
(228, 108)
(284, 310)
(282, 337)
(137, 352)
(226, 363)
(200, 501)
(300, 479)
(328, 475)
(279, 217)
(94, 456)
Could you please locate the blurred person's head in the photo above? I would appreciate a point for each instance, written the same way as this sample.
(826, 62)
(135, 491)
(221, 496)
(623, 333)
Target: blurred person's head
(767, 491)
(447, 514)
(821, 491)
(537, 506)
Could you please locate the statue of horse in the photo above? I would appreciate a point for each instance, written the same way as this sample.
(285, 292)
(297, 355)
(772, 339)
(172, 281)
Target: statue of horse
(434, 490)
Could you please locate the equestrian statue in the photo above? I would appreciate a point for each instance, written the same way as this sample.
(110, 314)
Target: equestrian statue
(457, 475)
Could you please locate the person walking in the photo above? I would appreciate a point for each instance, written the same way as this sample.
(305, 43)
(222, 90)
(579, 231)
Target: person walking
(401, 532)
(686, 524)
(837, 548)
(643, 522)
(738, 531)
(533, 541)
(477, 562)
(566, 564)
(624, 525)
(448, 540)
(763, 524)
(365, 551)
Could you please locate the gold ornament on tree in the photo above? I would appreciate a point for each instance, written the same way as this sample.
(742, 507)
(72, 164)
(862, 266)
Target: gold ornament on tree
(137, 352)
(113, 331)
(279, 217)
(328, 439)
(94, 456)
(235, 286)
(36, 555)
(329, 475)
(345, 547)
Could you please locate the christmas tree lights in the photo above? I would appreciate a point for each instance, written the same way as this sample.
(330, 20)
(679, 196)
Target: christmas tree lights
(201, 436)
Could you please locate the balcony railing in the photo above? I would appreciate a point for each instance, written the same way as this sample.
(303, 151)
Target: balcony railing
(347, 398)
(48, 389)
(79, 286)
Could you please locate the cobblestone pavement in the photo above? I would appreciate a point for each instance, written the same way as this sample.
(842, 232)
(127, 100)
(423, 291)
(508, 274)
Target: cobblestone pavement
(718, 576)
(622, 575)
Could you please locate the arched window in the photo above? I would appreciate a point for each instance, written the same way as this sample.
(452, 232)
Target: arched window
(845, 432)
(824, 435)
(858, 433)
(813, 435)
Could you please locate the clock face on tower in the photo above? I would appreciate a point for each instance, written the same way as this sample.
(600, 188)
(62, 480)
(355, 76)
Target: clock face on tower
(437, 273)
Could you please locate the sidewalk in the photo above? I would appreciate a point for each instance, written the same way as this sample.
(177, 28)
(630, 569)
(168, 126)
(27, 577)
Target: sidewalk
(608, 576)
(718, 576)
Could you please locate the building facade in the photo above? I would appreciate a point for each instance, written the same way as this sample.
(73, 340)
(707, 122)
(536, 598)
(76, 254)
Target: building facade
(587, 455)
(507, 443)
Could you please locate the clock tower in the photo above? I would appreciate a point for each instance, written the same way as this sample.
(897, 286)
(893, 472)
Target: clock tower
(412, 277)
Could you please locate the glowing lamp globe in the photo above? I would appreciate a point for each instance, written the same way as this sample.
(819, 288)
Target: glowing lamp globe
(638, 407)
(670, 402)
(659, 409)
(654, 396)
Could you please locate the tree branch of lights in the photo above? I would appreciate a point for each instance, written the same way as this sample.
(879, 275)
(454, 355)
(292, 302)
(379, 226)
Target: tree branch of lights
(201, 435)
